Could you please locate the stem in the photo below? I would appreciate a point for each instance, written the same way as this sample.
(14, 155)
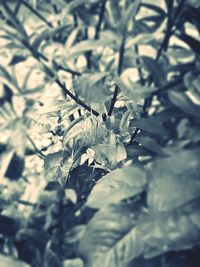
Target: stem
(139, 66)
(35, 12)
(77, 100)
(17, 7)
(119, 70)
(97, 31)
(26, 203)
(100, 21)
(170, 23)
(39, 153)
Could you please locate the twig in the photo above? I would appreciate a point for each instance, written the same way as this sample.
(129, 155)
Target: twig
(100, 21)
(119, 70)
(77, 100)
(35, 12)
(17, 7)
(97, 31)
(164, 45)
(39, 153)
(139, 66)
(26, 203)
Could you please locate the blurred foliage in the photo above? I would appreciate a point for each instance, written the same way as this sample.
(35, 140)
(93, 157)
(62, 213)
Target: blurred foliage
(99, 133)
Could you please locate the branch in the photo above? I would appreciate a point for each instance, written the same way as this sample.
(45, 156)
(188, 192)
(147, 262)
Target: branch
(119, 70)
(38, 152)
(77, 100)
(17, 7)
(164, 45)
(142, 81)
(35, 12)
(97, 31)
(100, 21)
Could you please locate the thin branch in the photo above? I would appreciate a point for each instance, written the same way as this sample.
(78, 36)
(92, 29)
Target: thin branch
(26, 203)
(77, 100)
(38, 152)
(36, 13)
(139, 65)
(119, 70)
(97, 31)
(100, 21)
(164, 45)
(17, 7)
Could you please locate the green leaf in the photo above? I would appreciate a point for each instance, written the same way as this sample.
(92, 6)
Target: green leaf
(5, 159)
(156, 69)
(171, 231)
(128, 15)
(133, 90)
(88, 45)
(155, 8)
(151, 125)
(150, 144)
(109, 154)
(73, 263)
(7, 261)
(17, 59)
(47, 34)
(54, 164)
(182, 101)
(117, 185)
(145, 38)
(111, 238)
(93, 88)
(175, 180)
(18, 138)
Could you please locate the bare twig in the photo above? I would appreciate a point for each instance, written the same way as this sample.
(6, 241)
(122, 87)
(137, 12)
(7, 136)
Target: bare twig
(139, 66)
(100, 21)
(17, 7)
(36, 13)
(38, 152)
(77, 100)
(164, 45)
(119, 70)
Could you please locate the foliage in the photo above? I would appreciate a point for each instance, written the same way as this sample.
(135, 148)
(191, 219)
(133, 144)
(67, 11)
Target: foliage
(100, 145)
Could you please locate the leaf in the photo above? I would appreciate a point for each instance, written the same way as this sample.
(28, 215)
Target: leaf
(155, 8)
(150, 144)
(145, 38)
(117, 185)
(73, 263)
(109, 154)
(53, 106)
(74, 4)
(18, 138)
(8, 226)
(133, 90)
(17, 59)
(53, 163)
(193, 43)
(37, 238)
(171, 231)
(128, 15)
(151, 125)
(175, 180)
(47, 34)
(111, 238)
(88, 45)
(93, 87)
(156, 69)
(7, 261)
(5, 159)
(182, 101)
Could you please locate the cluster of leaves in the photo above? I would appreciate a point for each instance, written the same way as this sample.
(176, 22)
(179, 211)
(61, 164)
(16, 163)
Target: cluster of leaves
(112, 89)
